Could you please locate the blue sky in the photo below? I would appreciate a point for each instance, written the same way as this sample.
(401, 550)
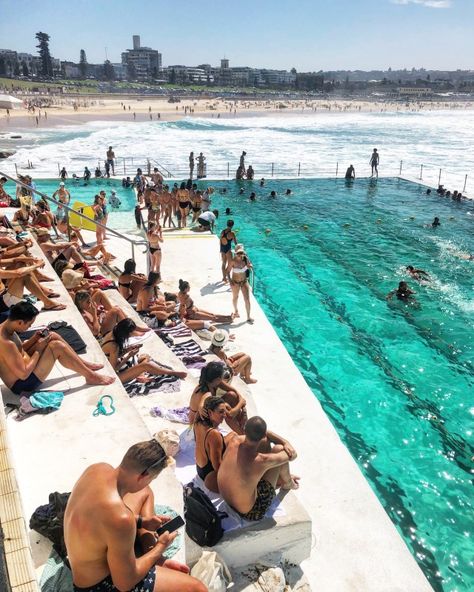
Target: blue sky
(307, 34)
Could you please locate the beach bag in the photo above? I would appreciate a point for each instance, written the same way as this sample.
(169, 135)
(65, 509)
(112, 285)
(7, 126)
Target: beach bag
(48, 520)
(169, 440)
(70, 336)
(203, 521)
(212, 572)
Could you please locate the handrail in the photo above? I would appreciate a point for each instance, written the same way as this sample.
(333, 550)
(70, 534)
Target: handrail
(160, 166)
(133, 242)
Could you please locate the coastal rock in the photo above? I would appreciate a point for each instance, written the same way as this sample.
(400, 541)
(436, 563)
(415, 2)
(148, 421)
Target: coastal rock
(6, 153)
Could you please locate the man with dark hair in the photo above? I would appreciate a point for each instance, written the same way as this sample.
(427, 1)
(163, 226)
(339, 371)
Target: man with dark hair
(253, 466)
(25, 366)
(109, 516)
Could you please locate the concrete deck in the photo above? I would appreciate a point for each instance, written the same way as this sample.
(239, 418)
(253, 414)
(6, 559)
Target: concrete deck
(355, 545)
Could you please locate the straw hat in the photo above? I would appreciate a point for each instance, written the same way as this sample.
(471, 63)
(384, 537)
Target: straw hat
(219, 338)
(239, 248)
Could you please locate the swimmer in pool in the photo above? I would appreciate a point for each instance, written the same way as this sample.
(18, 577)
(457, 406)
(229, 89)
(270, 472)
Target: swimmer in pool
(436, 222)
(418, 274)
(402, 293)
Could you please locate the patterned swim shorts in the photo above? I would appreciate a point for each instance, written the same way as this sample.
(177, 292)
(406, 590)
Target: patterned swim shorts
(106, 585)
(265, 495)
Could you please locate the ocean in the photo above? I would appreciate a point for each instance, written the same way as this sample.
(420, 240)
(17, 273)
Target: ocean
(313, 145)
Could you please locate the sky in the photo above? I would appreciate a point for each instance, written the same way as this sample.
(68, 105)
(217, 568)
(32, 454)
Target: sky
(310, 35)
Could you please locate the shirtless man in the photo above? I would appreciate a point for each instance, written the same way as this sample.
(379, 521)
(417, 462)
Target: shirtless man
(110, 509)
(252, 469)
(157, 178)
(111, 158)
(374, 163)
(25, 366)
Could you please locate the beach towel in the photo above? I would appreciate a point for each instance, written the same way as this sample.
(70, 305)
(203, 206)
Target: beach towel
(187, 348)
(40, 402)
(163, 384)
(57, 577)
(179, 330)
(178, 414)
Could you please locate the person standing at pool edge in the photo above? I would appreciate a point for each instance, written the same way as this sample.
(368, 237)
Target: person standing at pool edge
(374, 163)
(111, 158)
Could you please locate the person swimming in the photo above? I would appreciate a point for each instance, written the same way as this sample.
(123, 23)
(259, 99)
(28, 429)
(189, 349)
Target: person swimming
(114, 200)
(273, 194)
(288, 192)
(403, 293)
(436, 222)
(417, 274)
(252, 197)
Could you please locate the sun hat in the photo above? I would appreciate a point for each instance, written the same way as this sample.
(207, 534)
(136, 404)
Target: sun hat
(219, 338)
(71, 279)
(239, 248)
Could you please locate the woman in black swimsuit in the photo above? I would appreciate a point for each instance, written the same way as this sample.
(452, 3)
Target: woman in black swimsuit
(129, 282)
(210, 443)
(211, 383)
(155, 237)
(196, 205)
(183, 203)
(226, 238)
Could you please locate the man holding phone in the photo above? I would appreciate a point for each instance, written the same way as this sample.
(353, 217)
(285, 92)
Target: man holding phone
(109, 516)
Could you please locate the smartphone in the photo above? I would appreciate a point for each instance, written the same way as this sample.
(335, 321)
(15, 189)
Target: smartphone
(44, 332)
(170, 526)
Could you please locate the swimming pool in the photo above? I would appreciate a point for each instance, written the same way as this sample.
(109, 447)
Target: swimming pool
(395, 380)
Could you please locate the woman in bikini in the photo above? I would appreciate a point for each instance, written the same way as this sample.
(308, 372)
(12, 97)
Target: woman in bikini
(212, 384)
(114, 346)
(166, 206)
(151, 304)
(210, 443)
(187, 309)
(226, 238)
(154, 207)
(98, 312)
(99, 217)
(196, 205)
(183, 202)
(129, 282)
(155, 237)
(239, 269)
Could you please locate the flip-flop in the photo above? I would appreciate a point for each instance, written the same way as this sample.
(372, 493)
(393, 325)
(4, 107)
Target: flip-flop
(57, 307)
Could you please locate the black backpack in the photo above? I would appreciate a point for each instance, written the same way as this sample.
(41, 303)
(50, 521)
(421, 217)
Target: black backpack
(48, 520)
(203, 521)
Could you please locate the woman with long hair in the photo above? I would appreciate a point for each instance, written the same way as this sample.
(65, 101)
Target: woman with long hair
(239, 270)
(212, 383)
(188, 310)
(130, 282)
(210, 443)
(120, 355)
(155, 237)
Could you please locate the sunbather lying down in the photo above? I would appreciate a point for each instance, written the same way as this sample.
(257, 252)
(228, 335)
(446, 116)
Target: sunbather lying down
(25, 366)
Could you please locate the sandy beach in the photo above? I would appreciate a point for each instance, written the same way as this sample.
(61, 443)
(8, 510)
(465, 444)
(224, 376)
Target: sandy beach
(83, 109)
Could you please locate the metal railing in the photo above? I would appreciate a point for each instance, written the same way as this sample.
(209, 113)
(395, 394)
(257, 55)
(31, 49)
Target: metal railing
(133, 243)
(428, 173)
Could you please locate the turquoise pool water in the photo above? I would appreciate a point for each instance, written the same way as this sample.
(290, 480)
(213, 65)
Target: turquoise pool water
(395, 380)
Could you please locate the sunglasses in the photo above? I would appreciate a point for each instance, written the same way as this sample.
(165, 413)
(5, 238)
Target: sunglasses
(154, 465)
